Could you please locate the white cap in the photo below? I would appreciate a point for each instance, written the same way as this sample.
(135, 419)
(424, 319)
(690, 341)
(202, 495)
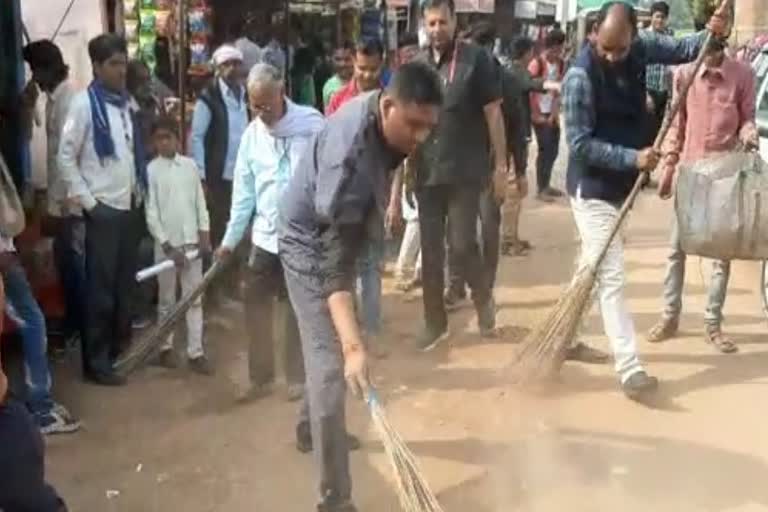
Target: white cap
(226, 53)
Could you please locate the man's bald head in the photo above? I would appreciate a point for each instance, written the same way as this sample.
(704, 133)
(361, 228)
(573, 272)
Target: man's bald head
(615, 29)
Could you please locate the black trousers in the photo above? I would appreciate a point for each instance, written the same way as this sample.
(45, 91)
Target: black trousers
(490, 235)
(22, 464)
(268, 307)
(660, 100)
(548, 140)
(111, 251)
(458, 207)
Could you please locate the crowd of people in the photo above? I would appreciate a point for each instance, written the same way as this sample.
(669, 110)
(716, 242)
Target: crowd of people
(308, 201)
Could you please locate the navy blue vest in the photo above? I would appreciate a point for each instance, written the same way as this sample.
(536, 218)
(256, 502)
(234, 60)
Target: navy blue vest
(619, 100)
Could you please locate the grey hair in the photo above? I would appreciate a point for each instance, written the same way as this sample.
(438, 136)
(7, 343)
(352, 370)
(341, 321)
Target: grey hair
(264, 73)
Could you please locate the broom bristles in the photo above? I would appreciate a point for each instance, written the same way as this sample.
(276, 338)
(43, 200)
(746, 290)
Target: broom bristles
(413, 491)
(543, 351)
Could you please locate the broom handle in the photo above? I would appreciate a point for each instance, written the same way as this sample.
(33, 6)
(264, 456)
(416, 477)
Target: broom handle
(665, 125)
(144, 347)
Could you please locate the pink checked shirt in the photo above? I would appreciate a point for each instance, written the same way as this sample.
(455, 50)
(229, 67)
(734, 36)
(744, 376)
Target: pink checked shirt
(720, 103)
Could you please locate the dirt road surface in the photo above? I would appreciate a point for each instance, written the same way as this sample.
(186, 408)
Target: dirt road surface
(173, 441)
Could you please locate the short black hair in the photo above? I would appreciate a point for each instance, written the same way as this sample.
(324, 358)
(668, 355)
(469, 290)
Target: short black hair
(416, 82)
(45, 54)
(166, 123)
(408, 39)
(103, 47)
(370, 47)
(521, 45)
(554, 37)
(662, 7)
(483, 33)
(436, 4)
(629, 11)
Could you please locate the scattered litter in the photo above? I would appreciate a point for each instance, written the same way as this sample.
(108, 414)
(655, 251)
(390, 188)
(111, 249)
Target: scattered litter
(139, 468)
(402, 389)
(112, 493)
(162, 477)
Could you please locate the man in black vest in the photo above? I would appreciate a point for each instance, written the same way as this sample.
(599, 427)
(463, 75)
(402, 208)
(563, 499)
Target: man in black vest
(218, 123)
(604, 96)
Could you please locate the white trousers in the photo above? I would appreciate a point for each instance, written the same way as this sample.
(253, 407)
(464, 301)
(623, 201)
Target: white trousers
(189, 277)
(409, 259)
(594, 220)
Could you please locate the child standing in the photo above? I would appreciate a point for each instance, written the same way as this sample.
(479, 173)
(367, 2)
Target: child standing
(177, 218)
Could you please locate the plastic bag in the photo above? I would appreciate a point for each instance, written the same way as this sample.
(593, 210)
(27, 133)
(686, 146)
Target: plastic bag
(722, 207)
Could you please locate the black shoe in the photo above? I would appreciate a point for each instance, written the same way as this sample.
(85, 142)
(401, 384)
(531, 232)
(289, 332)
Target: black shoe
(304, 439)
(201, 365)
(344, 507)
(454, 297)
(639, 385)
(486, 319)
(429, 340)
(106, 379)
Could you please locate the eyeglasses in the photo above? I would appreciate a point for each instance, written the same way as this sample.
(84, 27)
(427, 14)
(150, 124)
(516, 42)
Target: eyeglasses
(260, 109)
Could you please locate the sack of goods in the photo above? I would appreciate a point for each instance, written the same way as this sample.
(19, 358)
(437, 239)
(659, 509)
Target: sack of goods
(722, 207)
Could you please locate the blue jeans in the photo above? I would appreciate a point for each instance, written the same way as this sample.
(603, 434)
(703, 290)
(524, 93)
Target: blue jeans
(369, 286)
(19, 297)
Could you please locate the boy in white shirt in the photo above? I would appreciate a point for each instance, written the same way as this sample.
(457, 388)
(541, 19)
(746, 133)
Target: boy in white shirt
(177, 217)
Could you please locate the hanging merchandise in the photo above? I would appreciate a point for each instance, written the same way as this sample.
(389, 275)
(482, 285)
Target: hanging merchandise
(199, 37)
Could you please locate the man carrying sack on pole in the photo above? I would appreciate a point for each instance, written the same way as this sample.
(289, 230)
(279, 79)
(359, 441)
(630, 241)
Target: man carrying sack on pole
(604, 94)
(717, 116)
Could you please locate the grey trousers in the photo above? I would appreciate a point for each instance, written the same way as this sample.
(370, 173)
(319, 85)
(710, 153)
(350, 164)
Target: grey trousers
(324, 406)
(675, 279)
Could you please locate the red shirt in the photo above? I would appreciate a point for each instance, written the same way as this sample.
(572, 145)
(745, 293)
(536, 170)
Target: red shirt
(342, 96)
(719, 103)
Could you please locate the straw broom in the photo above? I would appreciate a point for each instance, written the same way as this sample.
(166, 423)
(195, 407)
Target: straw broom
(543, 351)
(412, 488)
(141, 351)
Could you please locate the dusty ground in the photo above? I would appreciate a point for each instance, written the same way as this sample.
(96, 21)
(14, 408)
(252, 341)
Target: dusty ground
(171, 441)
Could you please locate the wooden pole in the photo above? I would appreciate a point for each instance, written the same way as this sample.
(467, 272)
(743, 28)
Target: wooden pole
(181, 69)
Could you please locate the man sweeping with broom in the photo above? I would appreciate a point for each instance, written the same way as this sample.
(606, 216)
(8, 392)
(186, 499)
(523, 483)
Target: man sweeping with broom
(604, 97)
(332, 205)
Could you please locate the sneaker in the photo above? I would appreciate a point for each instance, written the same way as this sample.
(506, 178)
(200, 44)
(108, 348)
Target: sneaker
(167, 359)
(201, 365)
(429, 340)
(639, 385)
(57, 421)
(486, 319)
(453, 298)
(664, 330)
(141, 322)
(583, 353)
(304, 439)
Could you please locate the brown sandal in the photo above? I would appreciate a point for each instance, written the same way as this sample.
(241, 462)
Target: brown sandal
(721, 342)
(662, 331)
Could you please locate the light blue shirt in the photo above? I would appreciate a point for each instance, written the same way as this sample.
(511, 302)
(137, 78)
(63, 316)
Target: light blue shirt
(237, 117)
(265, 163)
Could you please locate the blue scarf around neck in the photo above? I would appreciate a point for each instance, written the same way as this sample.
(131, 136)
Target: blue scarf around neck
(103, 143)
